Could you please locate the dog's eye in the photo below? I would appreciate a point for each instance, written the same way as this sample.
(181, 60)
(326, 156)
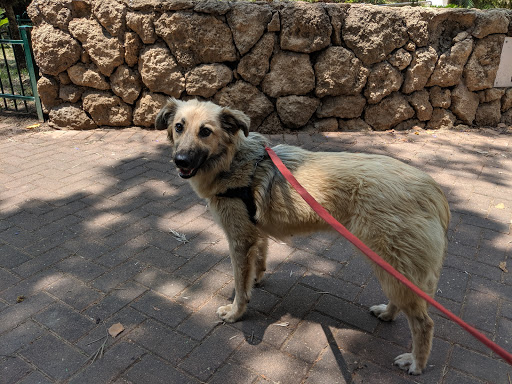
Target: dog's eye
(205, 132)
(178, 127)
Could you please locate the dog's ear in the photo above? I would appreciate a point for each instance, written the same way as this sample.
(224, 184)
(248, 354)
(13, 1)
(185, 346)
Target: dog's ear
(166, 114)
(232, 120)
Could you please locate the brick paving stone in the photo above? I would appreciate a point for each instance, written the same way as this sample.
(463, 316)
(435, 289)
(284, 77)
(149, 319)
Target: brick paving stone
(474, 268)
(257, 327)
(114, 360)
(453, 376)
(347, 313)
(207, 357)
(35, 378)
(481, 310)
(31, 286)
(65, 322)
(504, 332)
(128, 317)
(310, 338)
(317, 263)
(198, 265)
(202, 321)
(272, 363)
(283, 279)
(160, 259)
(490, 287)
(7, 279)
(233, 373)
(341, 250)
(162, 282)
(480, 366)
(117, 275)
(84, 248)
(363, 344)
(13, 369)
(80, 268)
(22, 335)
(41, 262)
(74, 293)
(118, 298)
(452, 283)
(372, 294)
(54, 357)
(203, 289)
(262, 301)
(166, 343)
(330, 368)
(18, 313)
(356, 271)
(161, 308)
(296, 304)
(153, 370)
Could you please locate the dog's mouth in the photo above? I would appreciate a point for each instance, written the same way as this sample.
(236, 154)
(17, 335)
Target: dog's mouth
(187, 173)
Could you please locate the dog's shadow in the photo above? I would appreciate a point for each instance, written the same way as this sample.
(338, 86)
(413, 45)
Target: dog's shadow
(258, 328)
(292, 325)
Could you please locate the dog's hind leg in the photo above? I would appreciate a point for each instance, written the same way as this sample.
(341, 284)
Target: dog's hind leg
(243, 260)
(261, 260)
(385, 312)
(422, 331)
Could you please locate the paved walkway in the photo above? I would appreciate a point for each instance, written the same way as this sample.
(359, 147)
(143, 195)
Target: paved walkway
(86, 241)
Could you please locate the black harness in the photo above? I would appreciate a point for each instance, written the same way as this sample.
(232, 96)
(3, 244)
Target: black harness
(245, 194)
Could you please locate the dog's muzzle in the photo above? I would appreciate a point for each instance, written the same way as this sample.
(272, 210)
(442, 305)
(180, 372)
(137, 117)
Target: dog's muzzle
(188, 163)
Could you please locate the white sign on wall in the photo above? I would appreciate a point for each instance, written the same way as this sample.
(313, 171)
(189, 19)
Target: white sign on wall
(504, 74)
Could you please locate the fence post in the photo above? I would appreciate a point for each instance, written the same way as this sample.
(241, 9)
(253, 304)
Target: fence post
(31, 72)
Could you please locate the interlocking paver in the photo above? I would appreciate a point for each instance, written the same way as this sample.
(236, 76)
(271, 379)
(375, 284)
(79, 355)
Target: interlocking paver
(54, 357)
(85, 238)
(153, 370)
(164, 342)
(65, 322)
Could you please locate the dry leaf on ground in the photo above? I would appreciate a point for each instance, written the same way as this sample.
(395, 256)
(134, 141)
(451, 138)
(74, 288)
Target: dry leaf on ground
(115, 329)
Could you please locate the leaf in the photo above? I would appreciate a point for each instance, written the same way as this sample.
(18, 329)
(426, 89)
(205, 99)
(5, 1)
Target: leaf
(500, 206)
(115, 329)
(33, 126)
(503, 266)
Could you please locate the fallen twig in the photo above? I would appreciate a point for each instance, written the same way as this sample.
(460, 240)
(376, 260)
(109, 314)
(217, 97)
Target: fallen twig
(100, 350)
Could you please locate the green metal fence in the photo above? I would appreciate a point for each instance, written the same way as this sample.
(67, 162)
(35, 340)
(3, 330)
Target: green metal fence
(14, 89)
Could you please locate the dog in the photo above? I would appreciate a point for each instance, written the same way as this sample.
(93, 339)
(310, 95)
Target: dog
(400, 212)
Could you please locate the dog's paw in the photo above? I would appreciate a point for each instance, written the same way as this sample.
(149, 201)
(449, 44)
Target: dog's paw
(381, 311)
(406, 362)
(227, 314)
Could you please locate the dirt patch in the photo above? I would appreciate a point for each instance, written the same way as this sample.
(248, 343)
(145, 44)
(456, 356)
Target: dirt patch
(12, 124)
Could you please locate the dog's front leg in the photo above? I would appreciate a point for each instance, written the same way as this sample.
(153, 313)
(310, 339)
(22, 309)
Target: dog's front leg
(243, 259)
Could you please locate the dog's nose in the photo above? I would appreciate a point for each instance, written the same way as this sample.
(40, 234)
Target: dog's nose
(182, 160)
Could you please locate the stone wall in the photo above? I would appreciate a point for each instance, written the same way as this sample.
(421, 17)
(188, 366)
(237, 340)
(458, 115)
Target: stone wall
(288, 65)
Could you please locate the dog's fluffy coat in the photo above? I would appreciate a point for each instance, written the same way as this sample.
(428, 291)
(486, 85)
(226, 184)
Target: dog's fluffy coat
(395, 209)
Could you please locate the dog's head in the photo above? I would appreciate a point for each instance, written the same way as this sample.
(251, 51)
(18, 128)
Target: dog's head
(201, 133)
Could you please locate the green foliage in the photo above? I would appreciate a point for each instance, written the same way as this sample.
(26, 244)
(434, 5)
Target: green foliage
(482, 4)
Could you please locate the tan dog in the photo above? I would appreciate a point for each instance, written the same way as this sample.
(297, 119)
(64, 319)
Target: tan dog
(395, 209)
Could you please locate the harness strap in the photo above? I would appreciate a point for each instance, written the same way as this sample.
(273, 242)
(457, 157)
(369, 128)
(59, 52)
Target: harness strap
(245, 194)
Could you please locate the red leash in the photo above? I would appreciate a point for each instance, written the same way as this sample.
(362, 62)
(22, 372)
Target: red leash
(322, 212)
